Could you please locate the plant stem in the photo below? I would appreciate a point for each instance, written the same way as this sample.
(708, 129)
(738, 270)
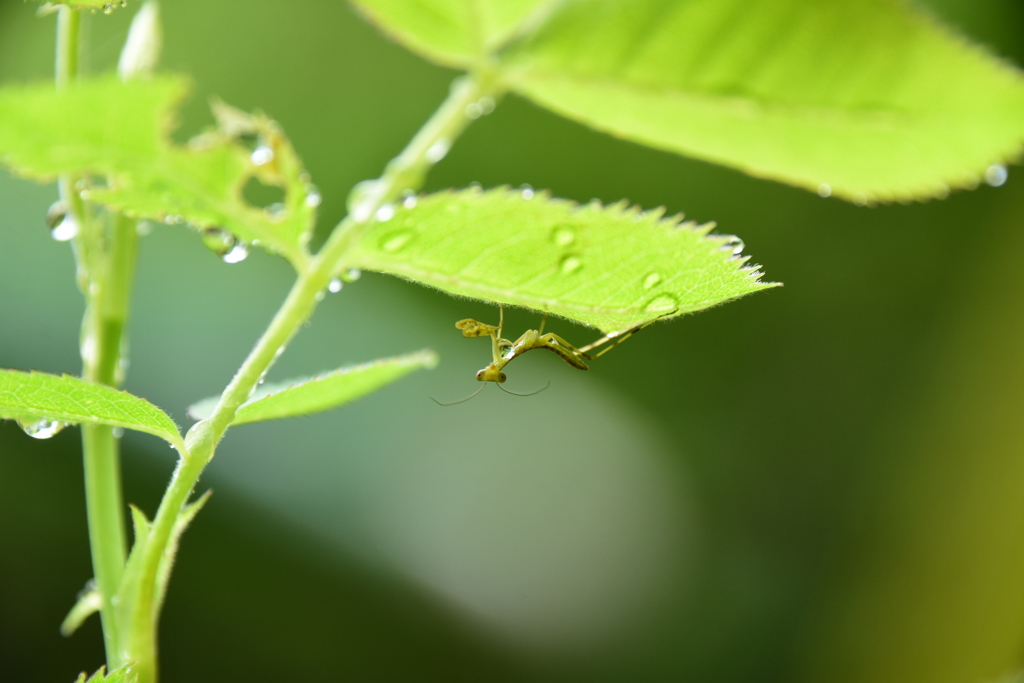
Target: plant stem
(102, 331)
(404, 173)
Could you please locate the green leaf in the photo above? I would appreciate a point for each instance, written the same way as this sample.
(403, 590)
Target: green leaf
(456, 33)
(88, 603)
(163, 575)
(120, 131)
(123, 675)
(329, 390)
(611, 267)
(869, 100)
(33, 396)
(106, 5)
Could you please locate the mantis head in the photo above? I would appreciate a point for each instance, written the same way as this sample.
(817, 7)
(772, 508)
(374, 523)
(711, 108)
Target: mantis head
(491, 374)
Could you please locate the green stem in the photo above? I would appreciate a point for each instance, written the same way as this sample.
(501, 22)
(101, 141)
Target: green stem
(404, 173)
(99, 275)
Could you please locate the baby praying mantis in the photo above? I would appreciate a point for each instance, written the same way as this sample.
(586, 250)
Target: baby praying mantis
(504, 351)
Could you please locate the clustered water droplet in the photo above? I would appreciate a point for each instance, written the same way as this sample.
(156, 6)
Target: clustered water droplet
(996, 175)
(41, 428)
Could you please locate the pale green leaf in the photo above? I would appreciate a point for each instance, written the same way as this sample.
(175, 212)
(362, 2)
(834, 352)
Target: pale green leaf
(456, 33)
(872, 100)
(88, 603)
(123, 675)
(106, 5)
(323, 392)
(163, 573)
(120, 131)
(611, 267)
(28, 396)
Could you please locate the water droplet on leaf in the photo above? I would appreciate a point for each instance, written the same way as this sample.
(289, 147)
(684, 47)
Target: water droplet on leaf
(334, 286)
(563, 236)
(527, 192)
(66, 230)
(824, 190)
(652, 280)
(385, 213)
(735, 245)
(220, 242)
(439, 150)
(238, 253)
(570, 264)
(662, 303)
(262, 155)
(996, 175)
(409, 201)
(313, 199)
(351, 274)
(40, 429)
(118, 432)
(392, 242)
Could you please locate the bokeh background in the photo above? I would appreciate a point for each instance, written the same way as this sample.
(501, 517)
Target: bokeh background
(823, 482)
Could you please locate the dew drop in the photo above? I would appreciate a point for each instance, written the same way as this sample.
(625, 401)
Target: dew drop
(276, 210)
(107, 9)
(385, 213)
(474, 110)
(334, 286)
(320, 296)
(66, 230)
(487, 104)
(652, 280)
(118, 432)
(220, 242)
(860, 199)
(527, 192)
(40, 429)
(996, 175)
(438, 150)
(563, 236)
(394, 241)
(824, 190)
(410, 201)
(661, 304)
(735, 245)
(262, 155)
(238, 253)
(351, 275)
(56, 214)
(143, 228)
(313, 198)
(570, 264)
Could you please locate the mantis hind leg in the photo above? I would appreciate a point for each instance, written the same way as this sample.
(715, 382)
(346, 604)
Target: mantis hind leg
(616, 339)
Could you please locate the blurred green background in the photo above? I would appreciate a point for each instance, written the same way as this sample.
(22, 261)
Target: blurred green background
(818, 483)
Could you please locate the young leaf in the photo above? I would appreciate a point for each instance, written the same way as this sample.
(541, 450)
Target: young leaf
(122, 675)
(120, 131)
(329, 390)
(163, 575)
(456, 33)
(611, 267)
(32, 396)
(88, 603)
(871, 101)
